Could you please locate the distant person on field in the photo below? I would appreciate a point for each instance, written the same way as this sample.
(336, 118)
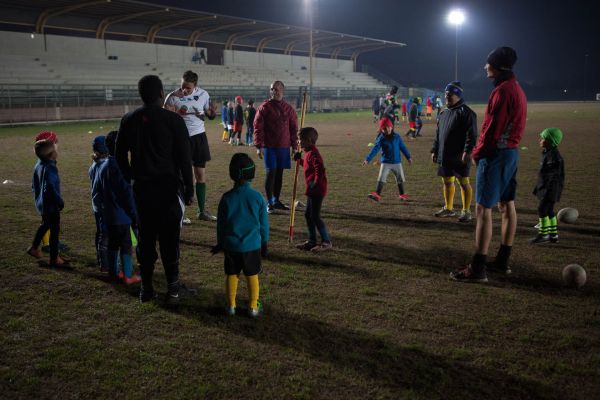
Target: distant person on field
(242, 233)
(551, 178)
(153, 152)
(113, 204)
(413, 113)
(403, 109)
(231, 121)
(250, 115)
(455, 138)
(238, 121)
(48, 199)
(438, 106)
(275, 136)
(224, 112)
(315, 178)
(193, 104)
(418, 126)
(429, 108)
(391, 145)
(497, 157)
(375, 107)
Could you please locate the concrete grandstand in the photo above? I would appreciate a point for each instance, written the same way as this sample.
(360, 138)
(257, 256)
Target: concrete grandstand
(48, 63)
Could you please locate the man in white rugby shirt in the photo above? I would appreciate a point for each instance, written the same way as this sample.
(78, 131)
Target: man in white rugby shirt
(193, 104)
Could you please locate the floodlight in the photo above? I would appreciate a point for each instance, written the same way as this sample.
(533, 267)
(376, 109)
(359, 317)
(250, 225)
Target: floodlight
(456, 17)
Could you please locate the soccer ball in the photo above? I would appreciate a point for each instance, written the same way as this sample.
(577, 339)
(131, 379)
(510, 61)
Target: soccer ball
(574, 275)
(567, 215)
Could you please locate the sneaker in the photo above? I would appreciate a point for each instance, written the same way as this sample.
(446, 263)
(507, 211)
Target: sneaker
(324, 246)
(270, 209)
(494, 267)
(540, 238)
(34, 252)
(280, 206)
(554, 237)
(147, 295)
(177, 292)
(120, 275)
(133, 280)
(466, 274)
(308, 245)
(538, 225)
(230, 311)
(255, 312)
(206, 216)
(374, 196)
(465, 216)
(186, 221)
(445, 213)
(403, 197)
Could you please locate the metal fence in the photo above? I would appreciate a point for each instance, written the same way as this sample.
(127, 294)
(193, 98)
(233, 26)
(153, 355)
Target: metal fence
(39, 103)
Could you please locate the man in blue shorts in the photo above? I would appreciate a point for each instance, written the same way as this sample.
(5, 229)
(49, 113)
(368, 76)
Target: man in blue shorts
(275, 136)
(496, 155)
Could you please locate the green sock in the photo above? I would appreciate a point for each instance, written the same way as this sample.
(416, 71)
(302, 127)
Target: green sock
(553, 228)
(544, 225)
(201, 195)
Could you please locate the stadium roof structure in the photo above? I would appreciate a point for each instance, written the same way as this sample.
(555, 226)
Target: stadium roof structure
(151, 23)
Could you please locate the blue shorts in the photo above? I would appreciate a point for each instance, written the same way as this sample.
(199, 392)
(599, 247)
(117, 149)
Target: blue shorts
(497, 178)
(277, 158)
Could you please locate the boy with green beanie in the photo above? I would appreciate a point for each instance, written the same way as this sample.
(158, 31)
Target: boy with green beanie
(549, 186)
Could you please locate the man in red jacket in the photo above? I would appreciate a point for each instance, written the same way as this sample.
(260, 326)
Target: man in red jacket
(275, 133)
(496, 155)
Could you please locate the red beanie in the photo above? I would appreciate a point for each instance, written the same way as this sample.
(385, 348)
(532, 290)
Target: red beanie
(238, 99)
(383, 122)
(46, 135)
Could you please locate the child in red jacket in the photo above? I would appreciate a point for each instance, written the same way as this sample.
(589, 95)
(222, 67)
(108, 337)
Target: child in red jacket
(316, 190)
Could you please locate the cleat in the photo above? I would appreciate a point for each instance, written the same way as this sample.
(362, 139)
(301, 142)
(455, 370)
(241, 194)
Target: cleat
(186, 221)
(58, 262)
(270, 209)
(540, 238)
(133, 280)
(255, 312)
(308, 245)
(280, 206)
(492, 266)
(178, 292)
(445, 213)
(554, 237)
(465, 216)
(466, 274)
(206, 216)
(230, 311)
(324, 246)
(403, 197)
(147, 295)
(374, 196)
(537, 226)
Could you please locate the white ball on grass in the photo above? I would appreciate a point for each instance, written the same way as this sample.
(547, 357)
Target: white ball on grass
(574, 275)
(568, 215)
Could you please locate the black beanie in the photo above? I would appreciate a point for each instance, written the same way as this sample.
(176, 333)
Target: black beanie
(241, 167)
(502, 58)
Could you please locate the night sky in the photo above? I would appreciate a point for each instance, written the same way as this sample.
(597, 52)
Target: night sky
(557, 42)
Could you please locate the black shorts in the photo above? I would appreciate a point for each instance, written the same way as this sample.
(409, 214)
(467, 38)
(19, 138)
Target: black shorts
(200, 151)
(249, 262)
(455, 168)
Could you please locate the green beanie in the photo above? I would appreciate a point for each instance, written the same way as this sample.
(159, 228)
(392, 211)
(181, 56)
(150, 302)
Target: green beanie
(552, 135)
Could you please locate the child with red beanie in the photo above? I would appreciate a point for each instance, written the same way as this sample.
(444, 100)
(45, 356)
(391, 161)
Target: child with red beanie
(391, 145)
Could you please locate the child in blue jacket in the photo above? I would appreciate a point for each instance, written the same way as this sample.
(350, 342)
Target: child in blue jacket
(48, 199)
(242, 233)
(391, 145)
(113, 198)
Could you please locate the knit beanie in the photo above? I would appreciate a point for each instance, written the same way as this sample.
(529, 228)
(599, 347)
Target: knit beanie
(99, 145)
(455, 87)
(46, 135)
(552, 135)
(502, 58)
(241, 167)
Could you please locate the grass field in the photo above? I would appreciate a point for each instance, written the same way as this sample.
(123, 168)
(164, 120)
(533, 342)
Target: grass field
(376, 318)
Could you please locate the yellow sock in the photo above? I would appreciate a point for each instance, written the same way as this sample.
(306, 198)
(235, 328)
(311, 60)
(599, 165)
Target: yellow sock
(466, 193)
(225, 134)
(46, 238)
(253, 291)
(449, 191)
(231, 284)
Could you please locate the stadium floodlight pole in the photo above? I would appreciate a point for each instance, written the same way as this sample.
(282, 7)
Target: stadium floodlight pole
(297, 169)
(456, 18)
(309, 11)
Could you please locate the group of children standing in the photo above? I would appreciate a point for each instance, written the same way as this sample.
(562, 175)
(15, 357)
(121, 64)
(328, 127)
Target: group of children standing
(233, 117)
